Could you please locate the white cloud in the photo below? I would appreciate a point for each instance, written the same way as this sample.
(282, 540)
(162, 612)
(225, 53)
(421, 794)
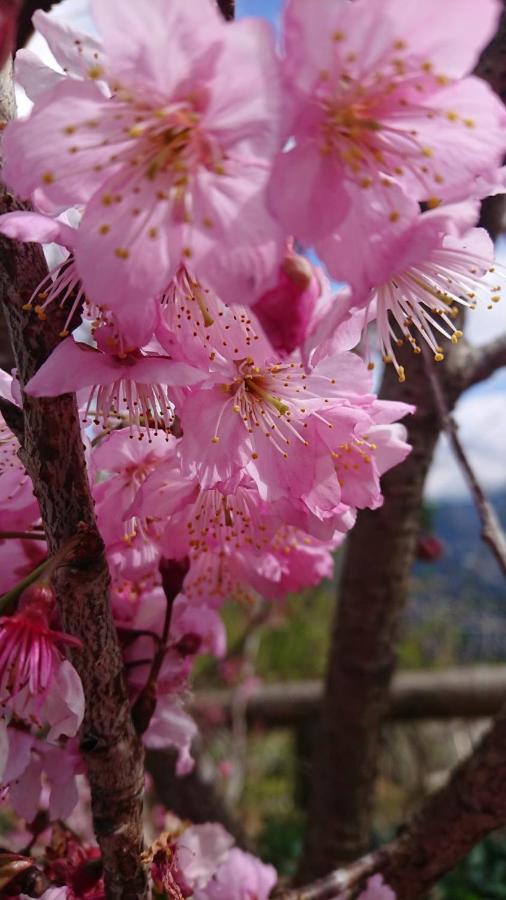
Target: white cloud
(481, 416)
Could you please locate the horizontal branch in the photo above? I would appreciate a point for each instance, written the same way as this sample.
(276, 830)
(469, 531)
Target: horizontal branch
(463, 692)
(485, 360)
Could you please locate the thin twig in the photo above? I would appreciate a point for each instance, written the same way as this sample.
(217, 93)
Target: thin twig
(23, 535)
(173, 573)
(343, 882)
(491, 530)
(227, 9)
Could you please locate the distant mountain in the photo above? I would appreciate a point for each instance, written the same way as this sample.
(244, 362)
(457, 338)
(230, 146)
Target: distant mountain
(458, 602)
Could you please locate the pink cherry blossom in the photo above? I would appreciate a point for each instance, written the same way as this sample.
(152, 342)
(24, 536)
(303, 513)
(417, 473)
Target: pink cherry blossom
(36, 682)
(59, 766)
(235, 541)
(377, 890)
(376, 96)
(172, 726)
(128, 463)
(241, 876)
(369, 453)
(183, 861)
(435, 270)
(196, 326)
(62, 284)
(126, 383)
(169, 153)
(271, 412)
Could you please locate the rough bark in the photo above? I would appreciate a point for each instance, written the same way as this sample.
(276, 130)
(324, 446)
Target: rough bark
(447, 826)
(53, 454)
(453, 820)
(372, 593)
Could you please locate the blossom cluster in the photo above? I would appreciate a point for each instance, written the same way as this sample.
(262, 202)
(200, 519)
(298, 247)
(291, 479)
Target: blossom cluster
(183, 170)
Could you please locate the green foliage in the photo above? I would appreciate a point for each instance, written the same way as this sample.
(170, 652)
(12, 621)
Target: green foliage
(480, 876)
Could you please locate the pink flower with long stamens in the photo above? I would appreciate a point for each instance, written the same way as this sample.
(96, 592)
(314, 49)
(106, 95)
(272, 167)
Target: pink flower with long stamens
(168, 144)
(236, 543)
(127, 463)
(63, 284)
(434, 268)
(375, 96)
(36, 682)
(268, 411)
(196, 326)
(127, 385)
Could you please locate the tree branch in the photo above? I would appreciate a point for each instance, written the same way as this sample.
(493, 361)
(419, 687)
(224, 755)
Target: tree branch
(462, 692)
(227, 8)
(373, 589)
(53, 455)
(484, 361)
(13, 417)
(446, 827)
(491, 531)
(372, 594)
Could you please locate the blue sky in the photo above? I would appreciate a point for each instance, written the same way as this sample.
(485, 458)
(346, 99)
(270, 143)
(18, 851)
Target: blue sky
(267, 8)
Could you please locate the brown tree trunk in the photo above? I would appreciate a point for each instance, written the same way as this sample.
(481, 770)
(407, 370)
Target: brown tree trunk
(373, 591)
(52, 451)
